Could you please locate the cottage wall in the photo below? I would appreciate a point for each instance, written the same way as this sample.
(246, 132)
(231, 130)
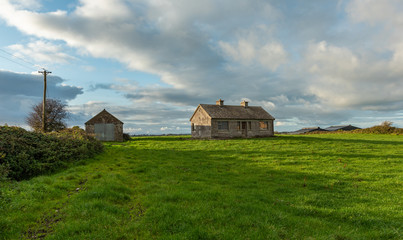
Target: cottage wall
(201, 124)
(257, 132)
(234, 131)
(240, 121)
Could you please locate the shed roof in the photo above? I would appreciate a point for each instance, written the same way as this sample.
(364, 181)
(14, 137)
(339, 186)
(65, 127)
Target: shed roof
(236, 112)
(103, 117)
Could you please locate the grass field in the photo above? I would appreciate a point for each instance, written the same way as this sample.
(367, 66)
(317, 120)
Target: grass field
(330, 186)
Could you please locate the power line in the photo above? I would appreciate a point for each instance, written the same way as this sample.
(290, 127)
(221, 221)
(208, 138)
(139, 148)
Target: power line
(45, 90)
(31, 68)
(17, 57)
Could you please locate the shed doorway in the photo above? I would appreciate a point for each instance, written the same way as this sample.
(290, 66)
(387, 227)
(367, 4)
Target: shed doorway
(104, 131)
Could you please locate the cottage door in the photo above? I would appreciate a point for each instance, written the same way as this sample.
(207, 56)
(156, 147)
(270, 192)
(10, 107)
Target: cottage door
(244, 129)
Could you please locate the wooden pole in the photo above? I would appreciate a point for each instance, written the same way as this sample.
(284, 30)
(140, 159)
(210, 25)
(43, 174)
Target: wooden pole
(44, 72)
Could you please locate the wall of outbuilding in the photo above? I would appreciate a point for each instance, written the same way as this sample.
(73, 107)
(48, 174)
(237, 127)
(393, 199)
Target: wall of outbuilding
(119, 132)
(90, 128)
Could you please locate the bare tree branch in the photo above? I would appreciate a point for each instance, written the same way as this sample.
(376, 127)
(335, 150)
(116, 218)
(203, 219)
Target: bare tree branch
(56, 115)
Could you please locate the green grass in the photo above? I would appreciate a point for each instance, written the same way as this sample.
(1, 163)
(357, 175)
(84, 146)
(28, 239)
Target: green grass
(330, 186)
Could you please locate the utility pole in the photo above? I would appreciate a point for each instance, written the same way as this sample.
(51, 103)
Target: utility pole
(44, 72)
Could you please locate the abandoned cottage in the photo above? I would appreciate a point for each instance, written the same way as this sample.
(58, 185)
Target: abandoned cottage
(105, 126)
(227, 121)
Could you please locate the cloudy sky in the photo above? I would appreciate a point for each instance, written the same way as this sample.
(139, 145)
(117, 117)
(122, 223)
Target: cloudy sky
(150, 63)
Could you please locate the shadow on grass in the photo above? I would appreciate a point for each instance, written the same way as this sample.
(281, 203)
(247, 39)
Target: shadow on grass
(233, 178)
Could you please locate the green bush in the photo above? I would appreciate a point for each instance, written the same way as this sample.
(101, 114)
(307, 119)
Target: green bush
(126, 137)
(385, 128)
(4, 169)
(25, 154)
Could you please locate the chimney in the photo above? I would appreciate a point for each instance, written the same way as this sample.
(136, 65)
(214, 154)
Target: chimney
(220, 102)
(244, 103)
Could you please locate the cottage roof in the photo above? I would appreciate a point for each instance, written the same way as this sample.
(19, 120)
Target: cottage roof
(236, 112)
(103, 117)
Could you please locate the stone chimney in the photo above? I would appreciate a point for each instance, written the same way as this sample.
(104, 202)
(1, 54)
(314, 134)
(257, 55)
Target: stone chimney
(220, 102)
(244, 103)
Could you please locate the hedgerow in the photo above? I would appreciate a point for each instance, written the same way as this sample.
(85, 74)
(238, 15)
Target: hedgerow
(25, 154)
(385, 128)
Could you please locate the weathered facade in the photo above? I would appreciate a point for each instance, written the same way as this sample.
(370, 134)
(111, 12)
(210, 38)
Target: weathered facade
(105, 126)
(225, 121)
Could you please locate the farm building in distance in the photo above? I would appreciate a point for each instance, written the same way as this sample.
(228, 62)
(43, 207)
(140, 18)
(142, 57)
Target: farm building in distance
(341, 128)
(328, 129)
(105, 126)
(308, 130)
(225, 121)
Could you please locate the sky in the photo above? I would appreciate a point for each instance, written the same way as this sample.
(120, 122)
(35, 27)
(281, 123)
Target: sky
(150, 63)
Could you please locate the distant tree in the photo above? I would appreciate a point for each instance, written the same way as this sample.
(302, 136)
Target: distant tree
(386, 124)
(56, 114)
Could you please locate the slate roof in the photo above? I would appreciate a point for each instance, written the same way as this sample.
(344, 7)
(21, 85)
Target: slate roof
(103, 117)
(236, 112)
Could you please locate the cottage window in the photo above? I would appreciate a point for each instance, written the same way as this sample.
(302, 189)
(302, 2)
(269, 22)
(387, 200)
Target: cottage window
(222, 125)
(239, 126)
(193, 127)
(263, 125)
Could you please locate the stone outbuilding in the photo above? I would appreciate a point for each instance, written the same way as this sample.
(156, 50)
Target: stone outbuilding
(226, 121)
(105, 126)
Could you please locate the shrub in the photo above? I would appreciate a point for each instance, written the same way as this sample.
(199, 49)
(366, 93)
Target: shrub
(4, 169)
(385, 128)
(26, 154)
(126, 137)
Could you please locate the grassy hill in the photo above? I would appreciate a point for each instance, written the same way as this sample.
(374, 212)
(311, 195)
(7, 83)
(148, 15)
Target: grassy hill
(328, 186)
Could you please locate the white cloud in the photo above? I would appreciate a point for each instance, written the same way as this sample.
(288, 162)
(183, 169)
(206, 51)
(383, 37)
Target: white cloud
(105, 10)
(375, 11)
(42, 51)
(278, 124)
(342, 79)
(256, 46)
(132, 130)
(27, 4)
(327, 58)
